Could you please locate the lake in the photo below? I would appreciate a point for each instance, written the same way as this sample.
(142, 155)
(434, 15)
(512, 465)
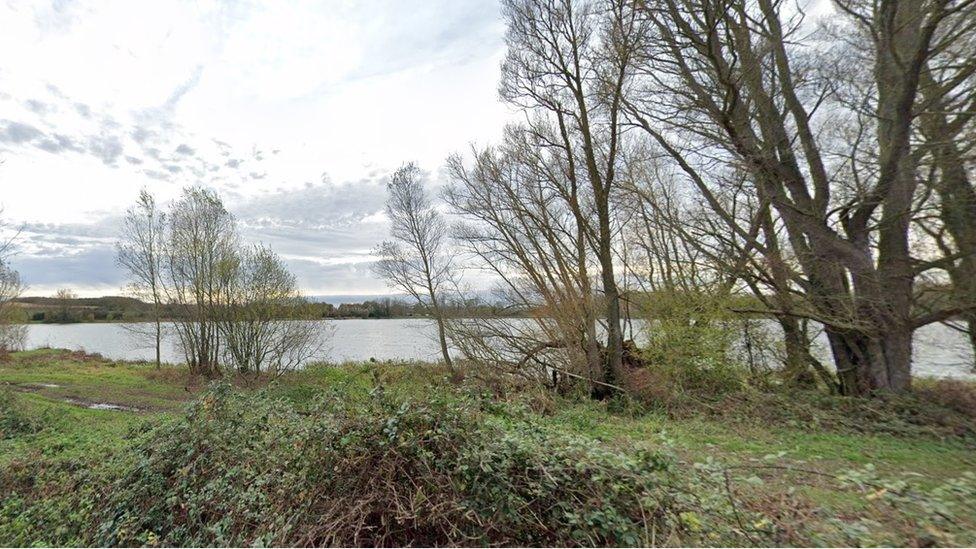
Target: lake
(939, 350)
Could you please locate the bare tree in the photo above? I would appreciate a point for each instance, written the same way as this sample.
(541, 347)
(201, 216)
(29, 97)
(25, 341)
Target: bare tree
(265, 323)
(232, 305)
(725, 86)
(558, 67)
(140, 251)
(416, 260)
(201, 241)
(519, 222)
(12, 334)
(946, 127)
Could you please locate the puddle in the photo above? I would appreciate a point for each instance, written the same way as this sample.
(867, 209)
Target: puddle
(101, 405)
(46, 385)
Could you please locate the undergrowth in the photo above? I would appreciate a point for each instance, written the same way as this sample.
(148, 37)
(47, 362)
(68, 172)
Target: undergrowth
(377, 458)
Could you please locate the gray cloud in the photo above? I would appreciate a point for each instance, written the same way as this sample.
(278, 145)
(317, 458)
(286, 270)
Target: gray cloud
(90, 267)
(106, 148)
(18, 133)
(324, 232)
(58, 143)
(38, 107)
(164, 150)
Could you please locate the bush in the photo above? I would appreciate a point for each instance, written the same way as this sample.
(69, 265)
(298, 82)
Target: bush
(689, 346)
(244, 470)
(14, 419)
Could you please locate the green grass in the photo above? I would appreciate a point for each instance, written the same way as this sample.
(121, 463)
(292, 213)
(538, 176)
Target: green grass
(70, 431)
(742, 441)
(88, 379)
(740, 438)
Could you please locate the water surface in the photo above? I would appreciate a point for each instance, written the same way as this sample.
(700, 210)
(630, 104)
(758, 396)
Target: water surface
(939, 350)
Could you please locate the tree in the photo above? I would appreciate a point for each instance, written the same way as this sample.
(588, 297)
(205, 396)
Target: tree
(726, 86)
(415, 261)
(558, 66)
(12, 334)
(264, 321)
(231, 305)
(140, 251)
(518, 220)
(201, 241)
(65, 300)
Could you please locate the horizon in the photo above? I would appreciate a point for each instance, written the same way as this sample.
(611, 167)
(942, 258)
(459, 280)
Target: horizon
(295, 115)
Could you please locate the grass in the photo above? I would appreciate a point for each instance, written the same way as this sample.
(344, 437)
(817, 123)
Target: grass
(799, 465)
(745, 441)
(63, 375)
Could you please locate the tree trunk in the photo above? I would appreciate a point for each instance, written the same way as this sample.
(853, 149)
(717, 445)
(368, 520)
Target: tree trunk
(443, 341)
(159, 330)
(615, 342)
(866, 365)
(796, 370)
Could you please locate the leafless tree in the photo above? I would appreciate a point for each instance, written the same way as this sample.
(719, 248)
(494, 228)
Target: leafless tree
(519, 222)
(140, 251)
(264, 321)
(725, 86)
(200, 244)
(416, 260)
(557, 67)
(946, 129)
(12, 333)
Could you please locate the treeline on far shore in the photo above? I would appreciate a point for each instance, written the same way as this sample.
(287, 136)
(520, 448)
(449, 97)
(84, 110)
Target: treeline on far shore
(127, 309)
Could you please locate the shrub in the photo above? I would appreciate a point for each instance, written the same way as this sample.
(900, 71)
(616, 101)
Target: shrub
(14, 419)
(689, 349)
(243, 470)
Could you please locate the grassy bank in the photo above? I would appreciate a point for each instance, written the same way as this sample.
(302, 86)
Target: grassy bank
(396, 454)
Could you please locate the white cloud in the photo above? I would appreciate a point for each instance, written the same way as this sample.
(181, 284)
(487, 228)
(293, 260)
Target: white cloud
(257, 99)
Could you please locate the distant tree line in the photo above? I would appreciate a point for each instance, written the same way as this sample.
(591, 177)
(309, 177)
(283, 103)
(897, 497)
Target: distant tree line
(129, 309)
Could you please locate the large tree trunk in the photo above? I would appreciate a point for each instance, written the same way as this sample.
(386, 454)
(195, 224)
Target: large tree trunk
(615, 342)
(796, 369)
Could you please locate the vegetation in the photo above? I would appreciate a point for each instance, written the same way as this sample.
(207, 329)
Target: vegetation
(130, 309)
(233, 305)
(11, 286)
(698, 165)
(725, 148)
(396, 454)
(415, 261)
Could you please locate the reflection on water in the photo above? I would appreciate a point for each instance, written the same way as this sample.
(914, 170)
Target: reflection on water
(939, 351)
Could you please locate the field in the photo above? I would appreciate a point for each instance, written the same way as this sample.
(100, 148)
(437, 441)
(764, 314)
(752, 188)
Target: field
(81, 434)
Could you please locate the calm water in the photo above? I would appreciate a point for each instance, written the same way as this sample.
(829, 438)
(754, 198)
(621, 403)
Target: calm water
(939, 351)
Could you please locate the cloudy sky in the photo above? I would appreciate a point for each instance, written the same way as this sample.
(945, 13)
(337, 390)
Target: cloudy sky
(295, 112)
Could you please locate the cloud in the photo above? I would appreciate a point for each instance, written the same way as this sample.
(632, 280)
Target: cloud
(17, 133)
(173, 100)
(107, 148)
(92, 268)
(252, 99)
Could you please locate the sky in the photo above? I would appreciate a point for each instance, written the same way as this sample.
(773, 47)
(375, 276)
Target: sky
(295, 112)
